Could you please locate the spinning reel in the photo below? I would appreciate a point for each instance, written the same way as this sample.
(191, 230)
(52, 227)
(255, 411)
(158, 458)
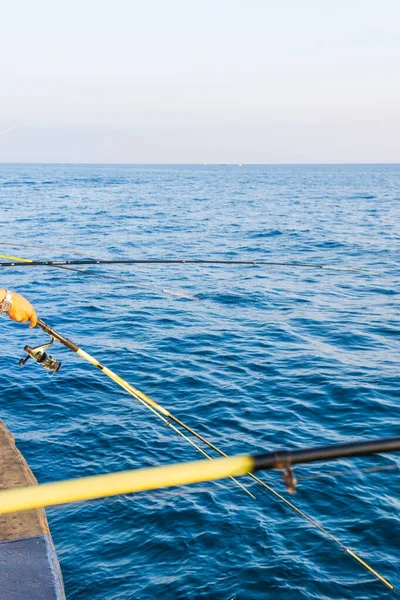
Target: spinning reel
(41, 357)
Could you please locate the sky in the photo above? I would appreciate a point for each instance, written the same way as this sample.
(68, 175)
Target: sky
(200, 81)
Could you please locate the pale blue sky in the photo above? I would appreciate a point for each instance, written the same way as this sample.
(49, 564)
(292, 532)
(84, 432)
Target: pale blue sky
(259, 81)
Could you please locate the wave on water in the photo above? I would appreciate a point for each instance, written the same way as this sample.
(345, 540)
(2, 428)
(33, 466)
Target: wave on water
(268, 358)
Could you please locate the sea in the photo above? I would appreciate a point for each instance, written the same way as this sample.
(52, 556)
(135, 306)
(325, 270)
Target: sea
(255, 358)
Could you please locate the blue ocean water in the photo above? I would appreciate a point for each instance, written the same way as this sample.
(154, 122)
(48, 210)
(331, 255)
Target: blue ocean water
(266, 358)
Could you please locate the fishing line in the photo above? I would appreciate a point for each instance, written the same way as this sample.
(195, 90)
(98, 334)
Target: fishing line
(87, 272)
(128, 388)
(312, 521)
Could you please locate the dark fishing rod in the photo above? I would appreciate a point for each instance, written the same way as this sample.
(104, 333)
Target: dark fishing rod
(284, 461)
(28, 260)
(88, 272)
(179, 261)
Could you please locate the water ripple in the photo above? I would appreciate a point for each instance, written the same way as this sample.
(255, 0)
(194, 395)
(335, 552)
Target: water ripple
(269, 357)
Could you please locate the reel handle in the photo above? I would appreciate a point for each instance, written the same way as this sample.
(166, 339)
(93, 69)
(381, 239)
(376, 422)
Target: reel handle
(22, 361)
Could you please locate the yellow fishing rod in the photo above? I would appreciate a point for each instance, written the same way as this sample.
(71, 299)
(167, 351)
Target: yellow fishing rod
(39, 355)
(139, 480)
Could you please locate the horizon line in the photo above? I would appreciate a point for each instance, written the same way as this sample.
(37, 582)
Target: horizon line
(201, 164)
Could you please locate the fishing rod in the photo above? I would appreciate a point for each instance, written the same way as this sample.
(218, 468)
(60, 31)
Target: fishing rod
(40, 355)
(153, 478)
(178, 261)
(48, 362)
(181, 261)
(87, 272)
(27, 260)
